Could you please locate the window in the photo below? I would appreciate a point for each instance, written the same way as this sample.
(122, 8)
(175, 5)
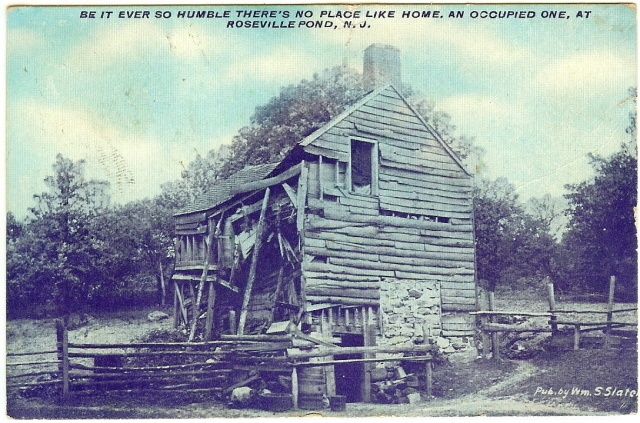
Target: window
(364, 168)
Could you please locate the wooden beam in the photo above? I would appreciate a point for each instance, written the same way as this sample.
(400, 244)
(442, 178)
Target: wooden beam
(607, 333)
(290, 193)
(211, 299)
(254, 263)
(302, 197)
(552, 307)
(265, 183)
(205, 272)
(495, 336)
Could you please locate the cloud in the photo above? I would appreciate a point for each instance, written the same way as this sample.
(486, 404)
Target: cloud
(130, 40)
(134, 165)
(468, 44)
(588, 74)
(280, 66)
(24, 41)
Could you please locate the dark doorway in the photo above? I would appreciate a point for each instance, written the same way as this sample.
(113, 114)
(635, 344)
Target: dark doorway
(349, 376)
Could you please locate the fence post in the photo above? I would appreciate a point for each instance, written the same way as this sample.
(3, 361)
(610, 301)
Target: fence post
(607, 334)
(429, 379)
(484, 306)
(552, 307)
(495, 336)
(62, 337)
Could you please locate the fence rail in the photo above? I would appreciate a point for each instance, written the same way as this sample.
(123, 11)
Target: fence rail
(491, 329)
(193, 366)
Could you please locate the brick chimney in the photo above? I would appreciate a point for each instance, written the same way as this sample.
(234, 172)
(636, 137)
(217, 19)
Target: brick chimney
(381, 66)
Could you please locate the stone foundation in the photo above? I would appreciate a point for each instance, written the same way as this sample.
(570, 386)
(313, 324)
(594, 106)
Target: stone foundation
(410, 311)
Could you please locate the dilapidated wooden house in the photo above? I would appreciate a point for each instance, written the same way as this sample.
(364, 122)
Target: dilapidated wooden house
(362, 234)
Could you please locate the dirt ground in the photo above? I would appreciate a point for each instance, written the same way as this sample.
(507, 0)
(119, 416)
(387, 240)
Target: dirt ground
(466, 386)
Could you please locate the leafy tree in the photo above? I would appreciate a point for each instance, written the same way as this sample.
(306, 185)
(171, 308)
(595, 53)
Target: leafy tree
(602, 233)
(289, 117)
(513, 248)
(53, 261)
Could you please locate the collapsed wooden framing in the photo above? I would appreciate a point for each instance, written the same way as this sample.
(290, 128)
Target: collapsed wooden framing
(362, 235)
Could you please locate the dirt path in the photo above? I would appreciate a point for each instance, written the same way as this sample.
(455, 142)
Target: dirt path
(486, 402)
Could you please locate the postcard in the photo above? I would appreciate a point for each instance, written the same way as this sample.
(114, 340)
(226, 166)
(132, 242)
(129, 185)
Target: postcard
(343, 210)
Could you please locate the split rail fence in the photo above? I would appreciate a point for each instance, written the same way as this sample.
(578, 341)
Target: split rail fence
(490, 330)
(204, 367)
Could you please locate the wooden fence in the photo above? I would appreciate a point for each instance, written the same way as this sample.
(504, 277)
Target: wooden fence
(193, 366)
(490, 330)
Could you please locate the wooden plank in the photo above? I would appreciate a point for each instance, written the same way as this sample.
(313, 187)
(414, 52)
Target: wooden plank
(211, 299)
(346, 269)
(360, 264)
(338, 283)
(407, 176)
(254, 262)
(302, 197)
(423, 169)
(458, 307)
(265, 183)
(433, 191)
(342, 300)
(377, 116)
(372, 294)
(191, 218)
(395, 221)
(205, 271)
(317, 277)
(408, 192)
(391, 201)
(322, 149)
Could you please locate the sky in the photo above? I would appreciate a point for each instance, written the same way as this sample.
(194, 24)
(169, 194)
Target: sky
(139, 98)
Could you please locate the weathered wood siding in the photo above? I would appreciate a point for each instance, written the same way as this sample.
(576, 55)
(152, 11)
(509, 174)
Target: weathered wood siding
(418, 227)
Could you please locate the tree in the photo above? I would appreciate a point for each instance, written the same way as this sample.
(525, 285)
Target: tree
(513, 248)
(287, 118)
(292, 115)
(602, 232)
(53, 260)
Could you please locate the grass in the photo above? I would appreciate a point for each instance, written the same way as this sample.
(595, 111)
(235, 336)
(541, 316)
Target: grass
(575, 376)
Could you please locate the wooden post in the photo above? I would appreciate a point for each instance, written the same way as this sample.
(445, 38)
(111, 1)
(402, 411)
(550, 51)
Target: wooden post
(368, 341)
(232, 321)
(607, 333)
(176, 307)
(302, 199)
(211, 299)
(205, 272)
(63, 354)
(254, 263)
(163, 288)
(552, 307)
(429, 379)
(576, 337)
(294, 387)
(495, 336)
(329, 371)
(486, 339)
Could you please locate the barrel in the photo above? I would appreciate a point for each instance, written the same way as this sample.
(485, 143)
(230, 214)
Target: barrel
(311, 388)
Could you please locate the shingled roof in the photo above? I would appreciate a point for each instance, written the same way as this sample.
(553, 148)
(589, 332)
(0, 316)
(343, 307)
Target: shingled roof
(221, 191)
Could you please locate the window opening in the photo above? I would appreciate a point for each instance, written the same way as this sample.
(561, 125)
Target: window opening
(362, 167)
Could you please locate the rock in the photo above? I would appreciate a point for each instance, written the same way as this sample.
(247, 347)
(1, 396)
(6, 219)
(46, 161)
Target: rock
(449, 349)
(415, 293)
(241, 396)
(442, 342)
(157, 315)
(414, 397)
